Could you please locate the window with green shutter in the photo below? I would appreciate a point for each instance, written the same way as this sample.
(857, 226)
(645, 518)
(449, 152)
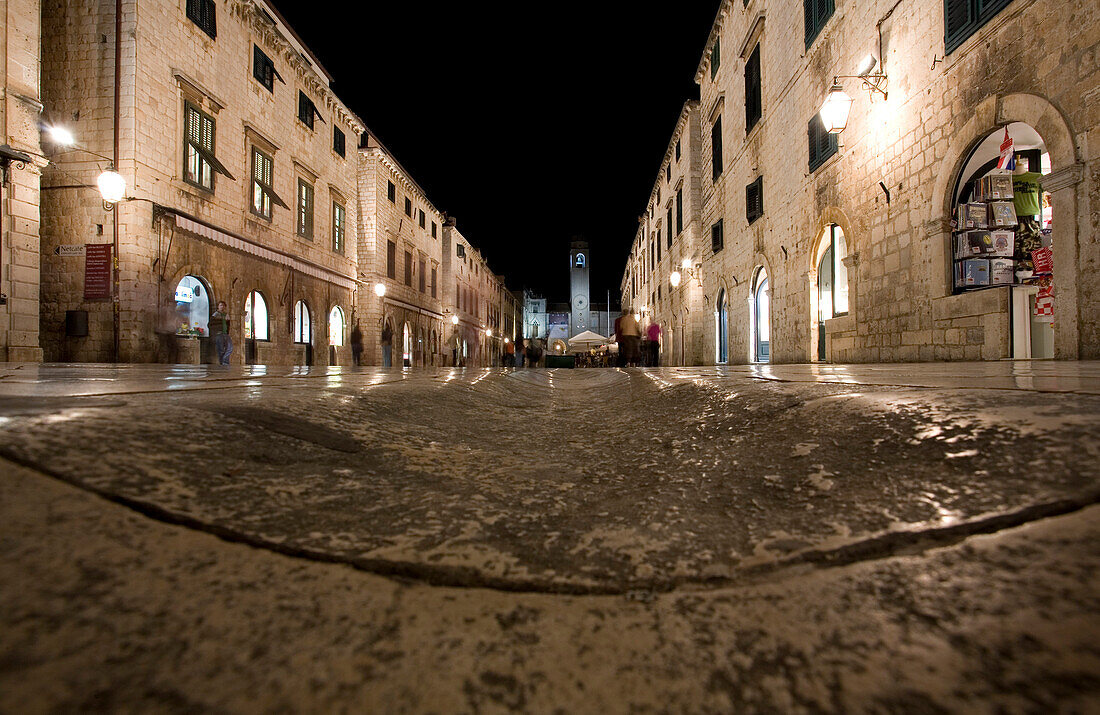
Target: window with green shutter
(203, 14)
(679, 211)
(715, 57)
(962, 18)
(198, 147)
(338, 141)
(752, 90)
(822, 144)
(717, 237)
(263, 185)
(263, 69)
(817, 13)
(754, 200)
(669, 219)
(716, 149)
(305, 209)
(338, 221)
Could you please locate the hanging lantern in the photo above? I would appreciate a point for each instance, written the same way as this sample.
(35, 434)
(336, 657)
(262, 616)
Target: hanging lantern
(835, 109)
(111, 186)
(674, 278)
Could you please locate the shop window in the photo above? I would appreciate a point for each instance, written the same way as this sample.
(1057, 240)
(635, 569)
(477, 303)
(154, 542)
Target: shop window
(193, 303)
(305, 209)
(255, 317)
(832, 275)
(822, 144)
(202, 13)
(752, 90)
(303, 332)
(962, 18)
(336, 326)
(263, 69)
(817, 13)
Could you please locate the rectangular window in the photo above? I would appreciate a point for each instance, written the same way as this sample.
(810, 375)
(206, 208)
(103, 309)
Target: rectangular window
(754, 199)
(305, 209)
(306, 110)
(716, 237)
(201, 12)
(421, 218)
(408, 207)
(434, 234)
(679, 211)
(198, 146)
(715, 57)
(752, 90)
(423, 277)
(263, 69)
(408, 269)
(338, 141)
(658, 242)
(668, 220)
(391, 259)
(716, 149)
(391, 192)
(263, 182)
(460, 250)
(677, 150)
(668, 174)
(822, 143)
(817, 13)
(962, 18)
(339, 219)
(433, 281)
(652, 257)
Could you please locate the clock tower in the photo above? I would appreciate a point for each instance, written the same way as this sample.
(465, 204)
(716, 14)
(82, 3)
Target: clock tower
(579, 295)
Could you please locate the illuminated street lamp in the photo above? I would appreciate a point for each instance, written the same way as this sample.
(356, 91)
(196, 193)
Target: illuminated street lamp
(835, 109)
(380, 289)
(61, 136)
(488, 332)
(674, 279)
(111, 184)
(454, 320)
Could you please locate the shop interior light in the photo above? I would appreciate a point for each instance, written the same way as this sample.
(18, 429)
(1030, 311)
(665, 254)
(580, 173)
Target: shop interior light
(674, 278)
(834, 111)
(112, 187)
(379, 289)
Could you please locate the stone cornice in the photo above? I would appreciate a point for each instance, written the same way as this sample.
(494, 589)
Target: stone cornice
(715, 30)
(1067, 176)
(690, 106)
(402, 176)
(263, 24)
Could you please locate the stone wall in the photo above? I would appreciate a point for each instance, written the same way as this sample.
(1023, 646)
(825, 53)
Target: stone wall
(20, 108)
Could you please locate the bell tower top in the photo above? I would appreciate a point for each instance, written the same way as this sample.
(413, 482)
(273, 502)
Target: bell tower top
(579, 297)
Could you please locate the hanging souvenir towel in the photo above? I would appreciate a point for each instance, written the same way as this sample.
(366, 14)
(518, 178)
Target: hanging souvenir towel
(1044, 305)
(1007, 159)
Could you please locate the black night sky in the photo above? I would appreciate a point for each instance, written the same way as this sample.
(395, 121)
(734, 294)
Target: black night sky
(529, 128)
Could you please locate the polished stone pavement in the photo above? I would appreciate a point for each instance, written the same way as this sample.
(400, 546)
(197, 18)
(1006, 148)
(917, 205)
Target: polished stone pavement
(755, 538)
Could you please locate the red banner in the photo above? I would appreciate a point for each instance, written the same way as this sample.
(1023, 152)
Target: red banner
(1043, 260)
(97, 271)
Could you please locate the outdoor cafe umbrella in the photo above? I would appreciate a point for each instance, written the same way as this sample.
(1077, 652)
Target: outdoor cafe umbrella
(586, 341)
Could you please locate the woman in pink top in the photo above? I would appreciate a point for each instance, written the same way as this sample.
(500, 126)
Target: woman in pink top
(653, 333)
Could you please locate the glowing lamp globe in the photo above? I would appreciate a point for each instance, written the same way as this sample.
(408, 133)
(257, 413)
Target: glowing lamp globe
(835, 109)
(685, 264)
(379, 289)
(674, 278)
(454, 320)
(111, 186)
(488, 332)
(61, 136)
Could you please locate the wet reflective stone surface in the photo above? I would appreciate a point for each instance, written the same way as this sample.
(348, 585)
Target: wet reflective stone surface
(788, 526)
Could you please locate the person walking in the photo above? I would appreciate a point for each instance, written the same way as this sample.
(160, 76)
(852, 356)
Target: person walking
(356, 344)
(629, 338)
(454, 343)
(509, 353)
(219, 328)
(520, 347)
(653, 332)
(387, 345)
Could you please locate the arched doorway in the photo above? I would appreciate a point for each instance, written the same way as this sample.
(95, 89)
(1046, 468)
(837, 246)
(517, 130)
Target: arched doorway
(433, 346)
(406, 346)
(256, 325)
(303, 329)
(761, 318)
(335, 332)
(1001, 182)
(721, 333)
(831, 295)
(193, 301)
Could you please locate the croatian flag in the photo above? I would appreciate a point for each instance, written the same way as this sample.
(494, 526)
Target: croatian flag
(1008, 155)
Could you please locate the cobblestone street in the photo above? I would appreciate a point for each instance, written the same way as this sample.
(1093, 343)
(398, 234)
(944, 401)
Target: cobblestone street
(750, 538)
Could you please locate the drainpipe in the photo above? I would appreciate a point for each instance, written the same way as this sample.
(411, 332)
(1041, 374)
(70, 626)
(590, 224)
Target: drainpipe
(115, 273)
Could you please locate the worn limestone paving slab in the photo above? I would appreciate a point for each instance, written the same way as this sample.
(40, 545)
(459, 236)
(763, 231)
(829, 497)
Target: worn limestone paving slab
(563, 480)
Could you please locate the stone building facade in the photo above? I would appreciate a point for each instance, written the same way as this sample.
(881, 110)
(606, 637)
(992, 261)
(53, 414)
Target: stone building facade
(400, 247)
(21, 162)
(240, 164)
(841, 247)
(473, 303)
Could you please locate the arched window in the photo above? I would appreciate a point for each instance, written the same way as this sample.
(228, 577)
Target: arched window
(192, 307)
(303, 332)
(832, 275)
(721, 334)
(336, 326)
(255, 317)
(580, 260)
